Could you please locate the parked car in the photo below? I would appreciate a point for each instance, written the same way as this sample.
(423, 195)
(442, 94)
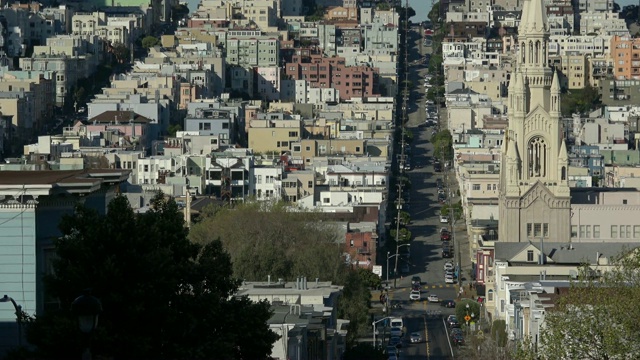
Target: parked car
(445, 236)
(448, 279)
(448, 266)
(415, 295)
(451, 319)
(433, 298)
(395, 341)
(455, 331)
(391, 351)
(416, 280)
(404, 268)
(457, 339)
(416, 287)
(415, 337)
(448, 303)
(444, 219)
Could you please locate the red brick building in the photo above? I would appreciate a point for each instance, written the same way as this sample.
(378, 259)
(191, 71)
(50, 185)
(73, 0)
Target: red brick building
(324, 72)
(362, 248)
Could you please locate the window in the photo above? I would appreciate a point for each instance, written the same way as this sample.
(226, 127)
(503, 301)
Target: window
(623, 233)
(488, 186)
(326, 200)
(475, 187)
(636, 231)
(588, 234)
(529, 229)
(574, 231)
(259, 179)
(530, 255)
(205, 126)
(225, 125)
(537, 230)
(628, 231)
(582, 230)
(596, 231)
(357, 149)
(296, 148)
(614, 231)
(293, 134)
(310, 184)
(545, 230)
(308, 148)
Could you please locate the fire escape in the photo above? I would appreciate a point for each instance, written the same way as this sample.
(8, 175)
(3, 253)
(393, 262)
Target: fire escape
(225, 185)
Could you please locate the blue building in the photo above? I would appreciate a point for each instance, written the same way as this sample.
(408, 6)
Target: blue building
(588, 156)
(31, 206)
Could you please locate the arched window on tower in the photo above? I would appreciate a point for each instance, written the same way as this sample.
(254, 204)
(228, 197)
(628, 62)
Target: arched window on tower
(563, 173)
(537, 57)
(537, 157)
(530, 52)
(523, 49)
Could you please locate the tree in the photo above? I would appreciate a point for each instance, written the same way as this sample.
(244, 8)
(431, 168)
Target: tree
(354, 304)
(455, 208)
(580, 101)
(79, 95)
(163, 297)
(367, 277)
(443, 145)
(150, 41)
(173, 129)
(121, 53)
(462, 311)
(597, 318)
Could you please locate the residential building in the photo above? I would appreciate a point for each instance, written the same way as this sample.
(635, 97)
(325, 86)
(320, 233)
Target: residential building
(322, 72)
(603, 23)
(30, 217)
(268, 82)
(465, 109)
(228, 175)
(306, 94)
(220, 124)
(267, 180)
(253, 50)
(273, 133)
(625, 52)
(589, 223)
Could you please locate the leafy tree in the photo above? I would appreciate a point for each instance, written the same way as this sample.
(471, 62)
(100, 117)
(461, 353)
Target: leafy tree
(580, 100)
(443, 145)
(434, 14)
(268, 239)
(499, 332)
(173, 129)
(455, 208)
(363, 350)
(121, 53)
(408, 136)
(354, 304)
(383, 6)
(367, 277)
(79, 95)
(597, 318)
(150, 41)
(405, 218)
(403, 237)
(179, 11)
(163, 297)
(461, 311)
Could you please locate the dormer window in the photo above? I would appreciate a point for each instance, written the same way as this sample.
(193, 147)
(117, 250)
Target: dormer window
(530, 255)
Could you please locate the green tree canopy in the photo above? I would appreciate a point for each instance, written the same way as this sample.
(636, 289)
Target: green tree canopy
(442, 145)
(597, 319)
(150, 41)
(462, 311)
(163, 297)
(121, 53)
(580, 101)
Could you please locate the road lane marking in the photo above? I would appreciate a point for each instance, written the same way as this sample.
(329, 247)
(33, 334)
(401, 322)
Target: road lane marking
(426, 331)
(448, 339)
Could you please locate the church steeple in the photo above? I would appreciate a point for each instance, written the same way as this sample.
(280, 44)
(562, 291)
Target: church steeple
(555, 106)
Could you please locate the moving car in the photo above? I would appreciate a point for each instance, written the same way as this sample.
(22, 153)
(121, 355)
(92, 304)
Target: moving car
(415, 337)
(444, 219)
(448, 303)
(415, 295)
(433, 298)
(416, 280)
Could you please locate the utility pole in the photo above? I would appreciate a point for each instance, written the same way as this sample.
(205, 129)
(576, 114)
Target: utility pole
(404, 119)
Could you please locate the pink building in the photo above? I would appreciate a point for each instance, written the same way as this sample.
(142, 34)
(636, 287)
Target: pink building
(125, 127)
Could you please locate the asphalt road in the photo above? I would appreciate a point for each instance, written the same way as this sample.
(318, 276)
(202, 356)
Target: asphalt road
(426, 259)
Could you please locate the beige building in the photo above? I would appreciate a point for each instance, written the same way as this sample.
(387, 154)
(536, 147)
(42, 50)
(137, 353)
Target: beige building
(574, 67)
(274, 136)
(307, 149)
(534, 188)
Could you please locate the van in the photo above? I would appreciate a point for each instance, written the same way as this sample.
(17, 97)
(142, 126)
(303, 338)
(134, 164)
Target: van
(397, 323)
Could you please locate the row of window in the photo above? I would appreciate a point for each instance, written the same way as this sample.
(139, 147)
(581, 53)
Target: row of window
(617, 231)
(477, 187)
(537, 230)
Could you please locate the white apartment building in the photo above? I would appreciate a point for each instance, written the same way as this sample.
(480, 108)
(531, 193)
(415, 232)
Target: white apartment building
(305, 94)
(603, 23)
(267, 181)
(118, 31)
(594, 45)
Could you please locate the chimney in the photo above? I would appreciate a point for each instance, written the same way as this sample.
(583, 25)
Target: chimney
(304, 283)
(317, 280)
(541, 259)
(597, 257)
(268, 279)
(297, 283)
(280, 281)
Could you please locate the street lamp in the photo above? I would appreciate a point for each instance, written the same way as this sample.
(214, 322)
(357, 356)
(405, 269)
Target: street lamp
(375, 345)
(18, 308)
(395, 273)
(299, 337)
(87, 308)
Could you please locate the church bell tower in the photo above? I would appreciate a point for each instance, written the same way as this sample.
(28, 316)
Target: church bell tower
(535, 201)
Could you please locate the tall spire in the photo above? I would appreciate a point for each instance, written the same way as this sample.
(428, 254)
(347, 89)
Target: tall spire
(537, 17)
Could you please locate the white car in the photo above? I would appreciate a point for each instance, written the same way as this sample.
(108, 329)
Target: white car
(433, 298)
(449, 279)
(415, 295)
(448, 266)
(444, 219)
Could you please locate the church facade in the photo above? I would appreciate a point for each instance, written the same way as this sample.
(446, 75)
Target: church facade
(535, 199)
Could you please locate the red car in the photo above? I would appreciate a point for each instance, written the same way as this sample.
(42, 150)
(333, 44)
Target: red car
(445, 236)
